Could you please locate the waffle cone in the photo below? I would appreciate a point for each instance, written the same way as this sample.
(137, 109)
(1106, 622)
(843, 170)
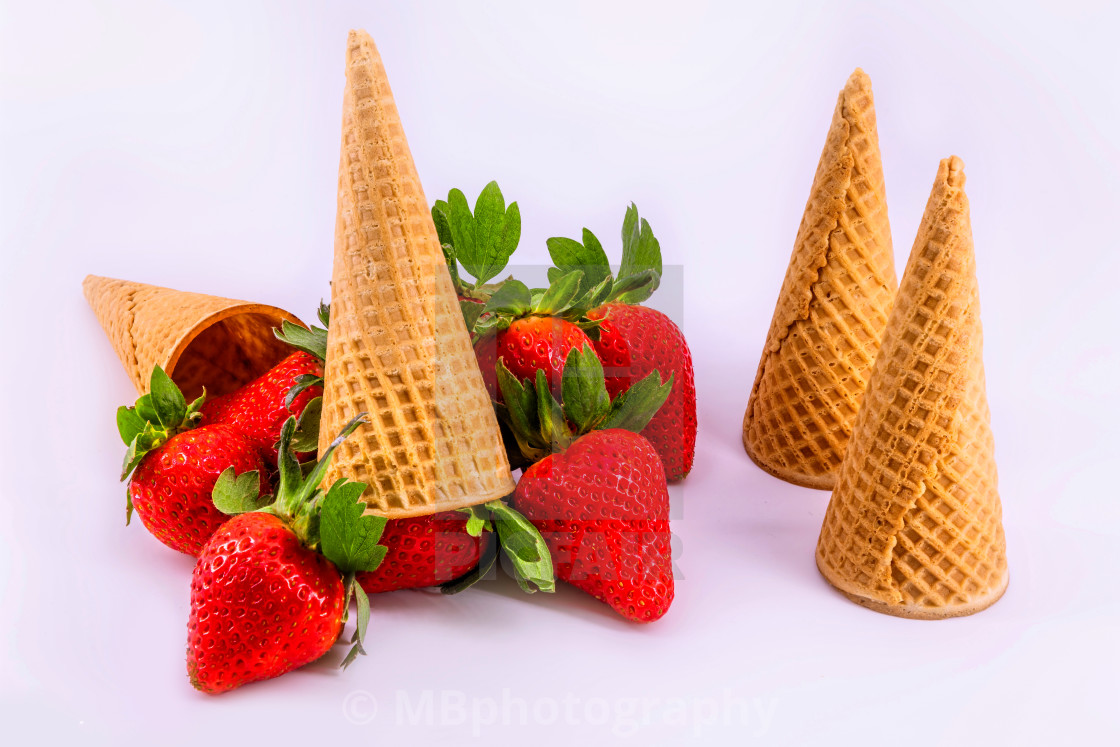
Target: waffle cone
(199, 340)
(398, 347)
(832, 308)
(914, 526)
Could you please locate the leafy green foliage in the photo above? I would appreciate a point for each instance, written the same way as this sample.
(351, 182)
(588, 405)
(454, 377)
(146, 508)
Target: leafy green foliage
(306, 436)
(302, 383)
(634, 408)
(482, 240)
(311, 340)
(560, 295)
(585, 393)
(347, 535)
(640, 250)
(512, 298)
(589, 258)
(239, 494)
(154, 419)
(524, 547)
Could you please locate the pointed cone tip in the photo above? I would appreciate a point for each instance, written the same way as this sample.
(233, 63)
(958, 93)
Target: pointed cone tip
(953, 167)
(857, 81)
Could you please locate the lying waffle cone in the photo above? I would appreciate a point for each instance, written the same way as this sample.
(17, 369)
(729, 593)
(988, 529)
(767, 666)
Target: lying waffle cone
(398, 347)
(199, 340)
(832, 308)
(914, 526)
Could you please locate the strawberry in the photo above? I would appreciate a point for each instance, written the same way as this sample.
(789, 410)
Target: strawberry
(175, 465)
(272, 586)
(260, 408)
(600, 499)
(425, 551)
(633, 342)
(450, 549)
(529, 344)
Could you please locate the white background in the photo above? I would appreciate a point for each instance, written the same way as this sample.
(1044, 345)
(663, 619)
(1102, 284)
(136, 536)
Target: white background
(196, 146)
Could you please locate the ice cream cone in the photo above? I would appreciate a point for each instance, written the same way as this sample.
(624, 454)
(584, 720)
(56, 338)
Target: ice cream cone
(832, 308)
(199, 340)
(914, 527)
(398, 347)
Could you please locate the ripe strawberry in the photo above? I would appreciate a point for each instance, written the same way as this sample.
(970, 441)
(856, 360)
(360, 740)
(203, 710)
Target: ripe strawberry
(170, 489)
(262, 604)
(175, 465)
(603, 508)
(633, 342)
(425, 551)
(600, 497)
(260, 408)
(528, 345)
(271, 588)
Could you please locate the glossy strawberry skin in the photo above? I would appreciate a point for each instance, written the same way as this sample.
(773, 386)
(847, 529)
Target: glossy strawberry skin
(262, 604)
(424, 551)
(635, 341)
(171, 488)
(529, 344)
(603, 508)
(258, 408)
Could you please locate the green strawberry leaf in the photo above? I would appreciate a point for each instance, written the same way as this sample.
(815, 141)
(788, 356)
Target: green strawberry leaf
(239, 494)
(483, 240)
(166, 399)
(127, 507)
(289, 490)
(312, 341)
(584, 390)
(524, 547)
(520, 401)
(471, 312)
(441, 216)
(142, 443)
(303, 382)
(633, 409)
(146, 410)
(361, 624)
(640, 250)
(553, 426)
(347, 535)
(129, 424)
(306, 437)
(559, 296)
(324, 314)
(478, 520)
(481, 571)
(634, 289)
(512, 298)
(588, 257)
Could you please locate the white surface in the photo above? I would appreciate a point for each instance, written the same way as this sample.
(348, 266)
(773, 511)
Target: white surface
(197, 147)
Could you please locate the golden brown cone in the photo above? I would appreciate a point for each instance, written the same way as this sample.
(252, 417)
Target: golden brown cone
(198, 340)
(832, 308)
(914, 527)
(398, 347)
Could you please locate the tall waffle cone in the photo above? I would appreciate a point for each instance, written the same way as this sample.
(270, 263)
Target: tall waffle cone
(199, 340)
(832, 308)
(914, 526)
(398, 347)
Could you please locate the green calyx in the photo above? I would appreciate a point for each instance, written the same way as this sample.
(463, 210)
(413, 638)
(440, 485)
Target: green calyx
(333, 522)
(312, 341)
(156, 417)
(565, 298)
(542, 426)
(521, 543)
(639, 273)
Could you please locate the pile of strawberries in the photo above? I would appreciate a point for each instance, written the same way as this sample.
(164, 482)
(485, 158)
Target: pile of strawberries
(597, 406)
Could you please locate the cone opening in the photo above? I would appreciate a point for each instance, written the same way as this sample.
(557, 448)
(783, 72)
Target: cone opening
(228, 350)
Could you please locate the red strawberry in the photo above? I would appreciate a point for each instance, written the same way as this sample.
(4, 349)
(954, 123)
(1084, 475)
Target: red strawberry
(528, 345)
(260, 408)
(262, 604)
(424, 551)
(174, 465)
(272, 586)
(171, 487)
(633, 342)
(600, 499)
(603, 508)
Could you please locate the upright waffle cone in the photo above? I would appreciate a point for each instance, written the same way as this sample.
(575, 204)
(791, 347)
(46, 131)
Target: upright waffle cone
(914, 526)
(398, 347)
(832, 308)
(199, 340)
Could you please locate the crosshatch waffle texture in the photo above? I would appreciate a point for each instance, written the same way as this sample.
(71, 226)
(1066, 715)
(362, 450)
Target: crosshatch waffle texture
(199, 340)
(398, 347)
(832, 308)
(914, 527)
